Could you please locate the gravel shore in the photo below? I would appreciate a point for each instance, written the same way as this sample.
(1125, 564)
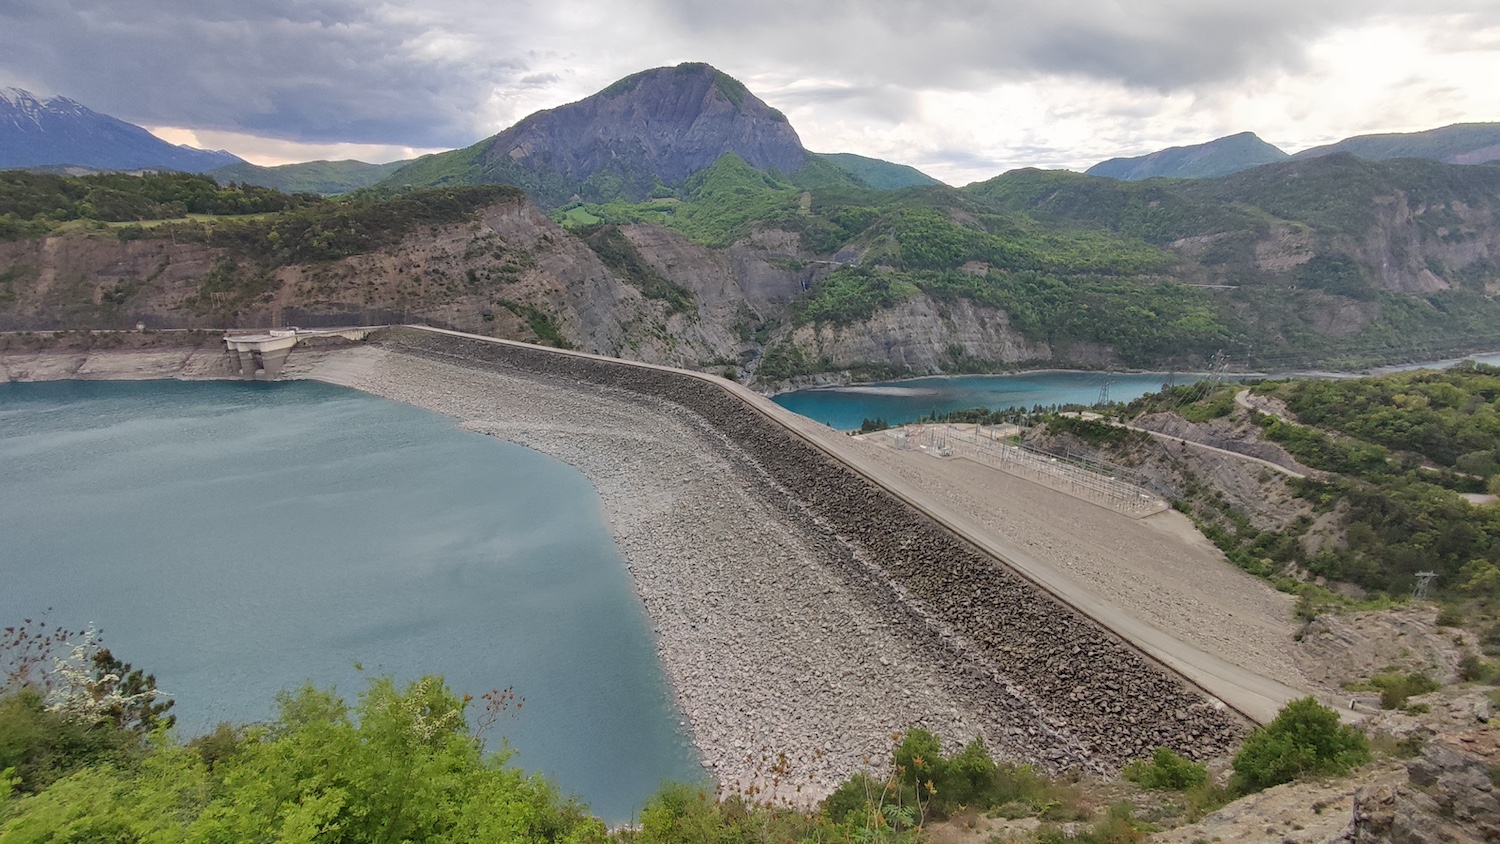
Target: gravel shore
(768, 649)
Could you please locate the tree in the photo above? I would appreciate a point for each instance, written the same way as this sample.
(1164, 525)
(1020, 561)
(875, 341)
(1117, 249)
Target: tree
(128, 696)
(1305, 739)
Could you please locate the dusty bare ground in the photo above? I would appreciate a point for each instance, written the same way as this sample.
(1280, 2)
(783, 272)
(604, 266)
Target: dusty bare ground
(1295, 813)
(1159, 569)
(1335, 650)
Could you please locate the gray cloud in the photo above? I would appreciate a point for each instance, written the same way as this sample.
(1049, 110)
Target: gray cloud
(1164, 45)
(885, 103)
(310, 70)
(447, 72)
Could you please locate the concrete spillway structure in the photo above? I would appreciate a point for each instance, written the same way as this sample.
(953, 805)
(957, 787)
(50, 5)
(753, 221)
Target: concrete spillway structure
(259, 357)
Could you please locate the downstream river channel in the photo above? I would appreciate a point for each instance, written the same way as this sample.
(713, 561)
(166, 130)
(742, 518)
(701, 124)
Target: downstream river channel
(241, 539)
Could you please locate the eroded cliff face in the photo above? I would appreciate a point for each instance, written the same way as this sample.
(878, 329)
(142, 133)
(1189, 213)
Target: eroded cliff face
(507, 273)
(511, 272)
(96, 280)
(921, 337)
(744, 295)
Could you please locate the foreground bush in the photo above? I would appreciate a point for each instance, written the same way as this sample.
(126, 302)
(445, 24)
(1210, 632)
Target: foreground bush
(1118, 826)
(923, 784)
(1305, 739)
(401, 766)
(1396, 688)
(1166, 770)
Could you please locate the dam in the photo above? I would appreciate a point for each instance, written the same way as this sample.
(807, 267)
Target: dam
(1044, 680)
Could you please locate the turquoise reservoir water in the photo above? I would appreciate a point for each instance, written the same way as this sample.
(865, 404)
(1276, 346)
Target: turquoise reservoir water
(239, 539)
(845, 408)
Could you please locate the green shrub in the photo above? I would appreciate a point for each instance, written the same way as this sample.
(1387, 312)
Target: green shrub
(853, 797)
(1219, 404)
(1396, 688)
(1305, 739)
(1474, 668)
(1093, 431)
(40, 745)
(1118, 826)
(1166, 770)
(400, 766)
(924, 783)
(1203, 799)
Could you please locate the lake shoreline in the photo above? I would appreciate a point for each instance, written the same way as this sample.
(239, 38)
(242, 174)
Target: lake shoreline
(244, 539)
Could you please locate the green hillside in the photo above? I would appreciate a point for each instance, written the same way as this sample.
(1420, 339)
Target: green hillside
(878, 174)
(1342, 193)
(325, 177)
(1062, 285)
(1158, 270)
(1199, 161)
(1461, 143)
(1334, 261)
(36, 204)
(455, 167)
(1394, 455)
(1425, 296)
(1157, 212)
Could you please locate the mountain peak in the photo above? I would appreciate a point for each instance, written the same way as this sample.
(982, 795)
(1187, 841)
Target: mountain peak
(60, 131)
(1219, 157)
(694, 75)
(652, 128)
(15, 96)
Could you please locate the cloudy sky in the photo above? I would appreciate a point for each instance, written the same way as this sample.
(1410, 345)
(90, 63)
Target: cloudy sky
(963, 89)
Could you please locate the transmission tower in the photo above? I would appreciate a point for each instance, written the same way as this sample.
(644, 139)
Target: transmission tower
(1220, 364)
(1424, 578)
(1104, 393)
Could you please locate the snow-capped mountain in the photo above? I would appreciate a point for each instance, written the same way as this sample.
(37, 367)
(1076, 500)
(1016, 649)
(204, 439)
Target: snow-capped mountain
(59, 131)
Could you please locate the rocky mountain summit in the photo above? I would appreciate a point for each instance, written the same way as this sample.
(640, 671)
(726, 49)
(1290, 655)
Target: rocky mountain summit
(62, 132)
(647, 131)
